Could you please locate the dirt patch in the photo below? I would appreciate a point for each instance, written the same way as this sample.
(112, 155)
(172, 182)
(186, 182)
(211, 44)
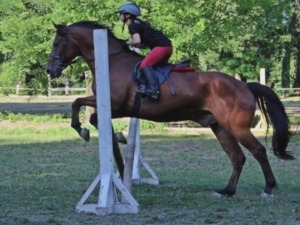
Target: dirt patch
(36, 105)
(37, 108)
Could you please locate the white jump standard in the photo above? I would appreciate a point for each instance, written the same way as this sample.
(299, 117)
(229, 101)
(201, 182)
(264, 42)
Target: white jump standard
(109, 182)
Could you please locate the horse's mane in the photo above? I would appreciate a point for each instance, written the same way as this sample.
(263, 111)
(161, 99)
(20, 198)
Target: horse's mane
(95, 25)
(91, 25)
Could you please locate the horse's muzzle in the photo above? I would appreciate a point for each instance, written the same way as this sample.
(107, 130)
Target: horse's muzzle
(53, 73)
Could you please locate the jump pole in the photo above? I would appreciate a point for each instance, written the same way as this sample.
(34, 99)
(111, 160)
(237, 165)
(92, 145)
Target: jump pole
(109, 182)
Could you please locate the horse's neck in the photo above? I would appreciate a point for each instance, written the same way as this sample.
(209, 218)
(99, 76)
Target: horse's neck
(120, 60)
(87, 53)
(124, 63)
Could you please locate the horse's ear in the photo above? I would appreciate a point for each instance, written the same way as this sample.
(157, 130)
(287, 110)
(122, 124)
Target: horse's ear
(55, 25)
(60, 28)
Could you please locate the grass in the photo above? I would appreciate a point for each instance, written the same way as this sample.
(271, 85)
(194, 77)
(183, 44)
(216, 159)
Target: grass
(45, 168)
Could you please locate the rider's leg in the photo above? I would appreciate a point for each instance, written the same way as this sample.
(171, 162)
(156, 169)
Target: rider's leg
(152, 90)
(157, 55)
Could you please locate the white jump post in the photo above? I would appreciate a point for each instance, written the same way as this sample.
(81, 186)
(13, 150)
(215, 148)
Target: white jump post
(108, 181)
(138, 159)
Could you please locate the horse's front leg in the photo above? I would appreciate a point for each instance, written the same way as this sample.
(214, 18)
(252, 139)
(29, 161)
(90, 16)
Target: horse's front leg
(75, 122)
(116, 150)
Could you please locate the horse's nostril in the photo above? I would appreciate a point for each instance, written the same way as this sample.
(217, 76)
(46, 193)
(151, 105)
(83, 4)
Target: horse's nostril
(48, 71)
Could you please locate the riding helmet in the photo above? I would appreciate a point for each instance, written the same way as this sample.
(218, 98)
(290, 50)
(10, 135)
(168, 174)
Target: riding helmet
(131, 8)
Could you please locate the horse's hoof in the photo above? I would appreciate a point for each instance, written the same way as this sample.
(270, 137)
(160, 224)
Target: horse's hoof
(121, 138)
(266, 195)
(217, 195)
(85, 134)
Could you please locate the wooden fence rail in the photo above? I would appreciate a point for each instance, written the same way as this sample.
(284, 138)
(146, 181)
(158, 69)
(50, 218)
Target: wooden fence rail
(66, 90)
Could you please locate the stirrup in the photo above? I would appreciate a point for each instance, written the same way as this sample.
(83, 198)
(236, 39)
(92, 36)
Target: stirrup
(141, 91)
(152, 95)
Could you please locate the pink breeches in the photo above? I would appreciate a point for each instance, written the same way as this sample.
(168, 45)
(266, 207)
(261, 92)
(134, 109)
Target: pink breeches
(156, 56)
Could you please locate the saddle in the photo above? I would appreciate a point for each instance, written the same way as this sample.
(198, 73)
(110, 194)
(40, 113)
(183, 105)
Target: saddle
(161, 72)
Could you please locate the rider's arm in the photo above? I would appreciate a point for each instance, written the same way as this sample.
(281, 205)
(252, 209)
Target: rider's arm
(135, 41)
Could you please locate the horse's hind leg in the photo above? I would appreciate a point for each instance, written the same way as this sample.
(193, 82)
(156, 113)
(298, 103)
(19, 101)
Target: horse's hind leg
(246, 138)
(234, 152)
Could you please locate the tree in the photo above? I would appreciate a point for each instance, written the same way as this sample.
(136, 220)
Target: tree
(232, 36)
(23, 41)
(294, 30)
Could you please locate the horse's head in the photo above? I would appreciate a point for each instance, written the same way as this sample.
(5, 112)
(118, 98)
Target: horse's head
(77, 40)
(61, 54)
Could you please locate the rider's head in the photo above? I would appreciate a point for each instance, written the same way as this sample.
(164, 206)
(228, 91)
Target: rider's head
(129, 10)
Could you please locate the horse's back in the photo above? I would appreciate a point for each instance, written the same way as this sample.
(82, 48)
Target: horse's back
(212, 83)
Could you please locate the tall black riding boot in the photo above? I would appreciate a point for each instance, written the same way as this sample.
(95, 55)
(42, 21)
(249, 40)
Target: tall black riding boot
(152, 90)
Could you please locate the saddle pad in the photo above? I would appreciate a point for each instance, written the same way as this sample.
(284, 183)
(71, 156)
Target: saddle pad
(183, 69)
(163, 71)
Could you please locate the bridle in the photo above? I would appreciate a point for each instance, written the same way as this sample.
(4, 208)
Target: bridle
(63, 63)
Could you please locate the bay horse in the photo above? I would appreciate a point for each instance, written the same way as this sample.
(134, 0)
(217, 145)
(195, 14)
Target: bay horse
(212, 99)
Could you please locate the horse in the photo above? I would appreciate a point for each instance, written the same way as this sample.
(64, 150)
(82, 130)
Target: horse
(213, 99)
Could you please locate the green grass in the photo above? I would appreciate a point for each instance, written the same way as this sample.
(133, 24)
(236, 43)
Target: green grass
(119, 124)
(44, 172)
(53, 118)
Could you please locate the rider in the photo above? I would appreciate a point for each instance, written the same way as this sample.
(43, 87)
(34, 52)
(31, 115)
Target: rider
(144, 36)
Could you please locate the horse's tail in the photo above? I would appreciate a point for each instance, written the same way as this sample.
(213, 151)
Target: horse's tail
(275, 115)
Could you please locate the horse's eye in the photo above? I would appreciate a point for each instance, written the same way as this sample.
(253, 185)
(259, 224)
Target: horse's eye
(56, 44)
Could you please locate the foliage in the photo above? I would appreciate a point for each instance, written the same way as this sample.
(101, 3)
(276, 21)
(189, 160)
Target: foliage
(23, 42)
(35, 118)
(244, 36)
(232, 36)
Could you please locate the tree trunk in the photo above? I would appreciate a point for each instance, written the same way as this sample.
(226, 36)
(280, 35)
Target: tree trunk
(286, 62)
(295, 31)
(286, 67)
(297, 78)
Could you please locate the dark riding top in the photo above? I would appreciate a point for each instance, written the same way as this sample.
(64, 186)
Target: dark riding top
(149, 36)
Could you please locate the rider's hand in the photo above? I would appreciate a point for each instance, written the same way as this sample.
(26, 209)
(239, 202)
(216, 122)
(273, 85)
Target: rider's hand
(125, 45)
